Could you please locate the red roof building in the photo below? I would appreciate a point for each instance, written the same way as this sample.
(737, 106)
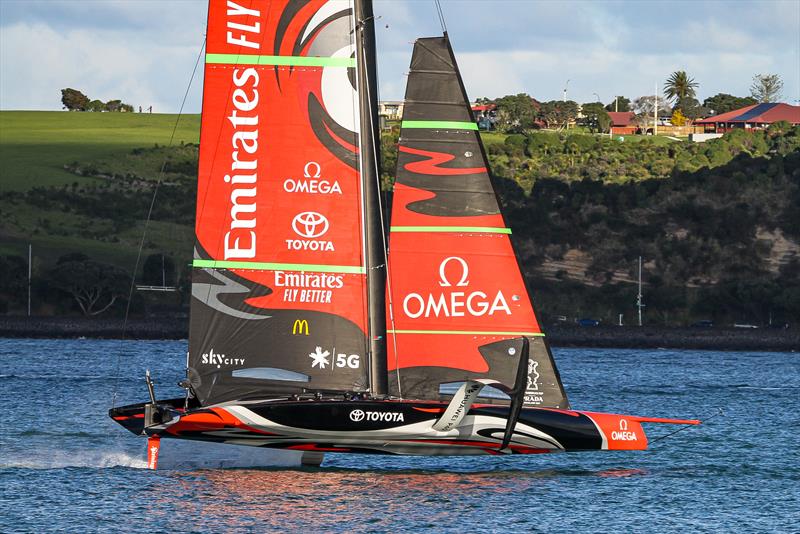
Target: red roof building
(483, 108)
(622, 122)
(757, 116)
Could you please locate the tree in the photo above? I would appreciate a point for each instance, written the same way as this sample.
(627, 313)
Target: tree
(96, 106)
(723, 102)
(620, 103)
(558, 113)
(678, 118)
(158, 270)
(643, 108)
(94, 286)
(516, 113)
(72, 256)
(13, 283)
(118, 105)
(680, 85)
(645, 104)
(766, 88)
(74, 100)
(595, 117)
(113, 105)
(690, 108)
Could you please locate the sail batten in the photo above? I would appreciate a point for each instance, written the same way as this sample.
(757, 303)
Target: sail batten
(456, 229)
(265, 266)
(439, 125)
(289, 61)
(467, 333)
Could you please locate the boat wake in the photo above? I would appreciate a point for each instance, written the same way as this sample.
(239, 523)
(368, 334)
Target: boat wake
(50, 459)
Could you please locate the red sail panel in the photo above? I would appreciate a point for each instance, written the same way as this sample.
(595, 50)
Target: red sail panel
(279, 285)
(452, 292)
(457, 303)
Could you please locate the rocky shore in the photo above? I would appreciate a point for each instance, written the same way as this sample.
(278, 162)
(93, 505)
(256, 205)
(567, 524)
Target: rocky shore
(761, 339)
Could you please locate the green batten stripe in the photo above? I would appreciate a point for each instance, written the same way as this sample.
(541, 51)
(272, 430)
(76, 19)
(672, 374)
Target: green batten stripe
(441, 125)
(290, 61)
(473, 229)
(263, 266)
(470, 333)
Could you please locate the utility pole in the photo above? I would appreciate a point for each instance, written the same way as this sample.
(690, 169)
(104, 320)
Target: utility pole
(655, 116)
(639, 303)
(564, 99)
(30, 270)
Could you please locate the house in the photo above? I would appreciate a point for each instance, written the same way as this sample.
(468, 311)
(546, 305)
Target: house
(391, 109)
(622, 122)
(485, 115)
(757, 116)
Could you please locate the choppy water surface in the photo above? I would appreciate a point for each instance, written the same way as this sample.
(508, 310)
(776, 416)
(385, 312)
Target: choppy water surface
(65, 466)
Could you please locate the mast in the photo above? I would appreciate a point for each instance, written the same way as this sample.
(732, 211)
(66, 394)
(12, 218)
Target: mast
(374, 253)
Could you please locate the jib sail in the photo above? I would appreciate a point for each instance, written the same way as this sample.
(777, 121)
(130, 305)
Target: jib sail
(457, 301)
(278, 289)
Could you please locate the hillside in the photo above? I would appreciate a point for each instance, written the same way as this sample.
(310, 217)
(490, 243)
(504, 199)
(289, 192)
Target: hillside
(71, 182)
(36, 145)
(718, 224)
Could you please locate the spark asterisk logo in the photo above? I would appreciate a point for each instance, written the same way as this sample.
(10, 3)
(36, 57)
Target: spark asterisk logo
(319, 358)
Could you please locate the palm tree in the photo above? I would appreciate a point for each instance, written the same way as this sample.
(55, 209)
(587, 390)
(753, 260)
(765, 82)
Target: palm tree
(679, 85)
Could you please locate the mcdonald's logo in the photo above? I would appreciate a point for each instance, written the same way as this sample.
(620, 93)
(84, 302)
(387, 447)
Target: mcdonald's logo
(300, 326)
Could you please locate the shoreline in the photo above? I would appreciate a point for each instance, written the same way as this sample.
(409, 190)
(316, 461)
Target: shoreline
(624, 337)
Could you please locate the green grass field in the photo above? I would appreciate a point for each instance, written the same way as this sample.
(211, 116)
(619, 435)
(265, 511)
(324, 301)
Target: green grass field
(493, 138)
(36, 145)
(34, 148)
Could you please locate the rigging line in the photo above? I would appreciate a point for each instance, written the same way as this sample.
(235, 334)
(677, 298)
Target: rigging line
(441, 15)
(147, 220)
(681, 429)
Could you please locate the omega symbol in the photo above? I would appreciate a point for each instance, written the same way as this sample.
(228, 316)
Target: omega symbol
(444, 282)
(309, 166)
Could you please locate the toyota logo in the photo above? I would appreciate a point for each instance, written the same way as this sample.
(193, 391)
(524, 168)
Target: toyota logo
(310, 224)
(357, 415)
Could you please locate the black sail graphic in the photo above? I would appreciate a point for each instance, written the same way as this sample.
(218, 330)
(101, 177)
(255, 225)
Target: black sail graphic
(457, 301)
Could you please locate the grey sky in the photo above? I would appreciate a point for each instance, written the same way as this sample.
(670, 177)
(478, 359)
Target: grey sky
(143, 51)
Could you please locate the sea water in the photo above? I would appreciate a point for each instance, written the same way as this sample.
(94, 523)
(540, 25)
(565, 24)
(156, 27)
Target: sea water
(65, 466)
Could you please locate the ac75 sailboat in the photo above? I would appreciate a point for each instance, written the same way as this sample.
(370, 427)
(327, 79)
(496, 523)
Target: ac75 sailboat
(306, 334)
